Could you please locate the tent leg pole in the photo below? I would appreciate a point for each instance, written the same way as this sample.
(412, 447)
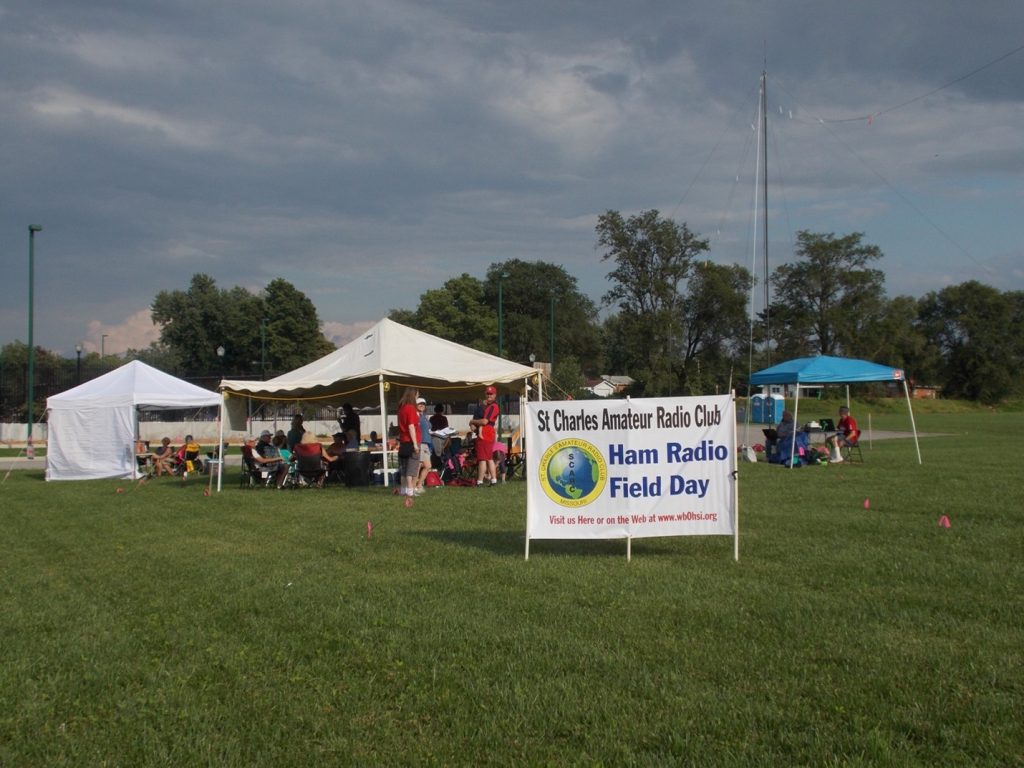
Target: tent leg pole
(736, 481)
(746, 418)
(135, 441)
(383, 429)
(220, 440)
(913, 425)
(796, 416)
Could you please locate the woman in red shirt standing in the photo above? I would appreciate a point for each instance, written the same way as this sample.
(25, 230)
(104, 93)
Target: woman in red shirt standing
(408, 443)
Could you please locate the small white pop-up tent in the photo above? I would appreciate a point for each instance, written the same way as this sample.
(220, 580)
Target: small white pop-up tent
(92, 428)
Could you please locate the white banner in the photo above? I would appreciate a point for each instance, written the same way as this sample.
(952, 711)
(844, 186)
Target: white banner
(631, 468)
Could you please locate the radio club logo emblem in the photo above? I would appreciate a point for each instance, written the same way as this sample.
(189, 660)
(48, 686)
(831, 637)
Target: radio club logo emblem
(573, 472)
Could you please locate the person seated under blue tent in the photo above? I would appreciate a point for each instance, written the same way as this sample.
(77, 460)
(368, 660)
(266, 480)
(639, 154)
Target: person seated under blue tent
(780, 446)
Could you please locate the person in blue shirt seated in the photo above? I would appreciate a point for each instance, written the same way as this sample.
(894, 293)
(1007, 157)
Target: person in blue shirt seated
(780, 450)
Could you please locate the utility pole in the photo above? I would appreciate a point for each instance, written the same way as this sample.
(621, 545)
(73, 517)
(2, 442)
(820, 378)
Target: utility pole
(30, 450)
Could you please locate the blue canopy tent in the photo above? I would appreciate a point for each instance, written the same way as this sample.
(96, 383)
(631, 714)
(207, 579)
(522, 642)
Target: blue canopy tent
(813, 372)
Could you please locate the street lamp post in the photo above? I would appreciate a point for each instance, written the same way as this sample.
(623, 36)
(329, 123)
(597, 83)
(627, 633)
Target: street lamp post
(103, 345)
(220, 359)
(78, 363)
(30, 450)
(263, 349)
(552, 334)
(501, 314)
(501, 332)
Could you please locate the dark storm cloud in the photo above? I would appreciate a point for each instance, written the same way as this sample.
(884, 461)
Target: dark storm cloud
(367, 151)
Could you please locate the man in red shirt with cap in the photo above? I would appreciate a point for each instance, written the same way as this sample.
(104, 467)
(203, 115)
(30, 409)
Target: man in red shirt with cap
(484, 419)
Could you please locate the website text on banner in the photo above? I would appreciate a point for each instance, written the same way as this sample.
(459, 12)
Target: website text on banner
(631, 468)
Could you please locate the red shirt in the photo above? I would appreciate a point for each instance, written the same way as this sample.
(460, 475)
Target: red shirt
(308, 449)
(848, 427)
(491, 414)
(407, 416)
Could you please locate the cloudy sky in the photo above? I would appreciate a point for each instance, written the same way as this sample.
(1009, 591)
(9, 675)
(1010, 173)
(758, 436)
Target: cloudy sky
(367, 150)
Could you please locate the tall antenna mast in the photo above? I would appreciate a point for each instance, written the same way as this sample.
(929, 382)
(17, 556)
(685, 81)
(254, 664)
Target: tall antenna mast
(764, 137)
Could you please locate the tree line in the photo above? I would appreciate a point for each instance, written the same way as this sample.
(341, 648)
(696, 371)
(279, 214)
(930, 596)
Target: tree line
(680, 324)
(674, 321)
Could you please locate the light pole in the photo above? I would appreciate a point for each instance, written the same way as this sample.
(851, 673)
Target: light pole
(263, 348)
(30, 450)
(501, 333)
(103, 345)
(220, 359)
(78, 363)
(501, 315)
(552, 334)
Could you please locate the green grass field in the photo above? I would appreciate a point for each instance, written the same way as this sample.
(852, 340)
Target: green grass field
(160, 627)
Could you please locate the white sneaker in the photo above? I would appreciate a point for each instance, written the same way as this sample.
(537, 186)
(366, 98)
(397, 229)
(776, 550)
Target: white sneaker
(418, 491)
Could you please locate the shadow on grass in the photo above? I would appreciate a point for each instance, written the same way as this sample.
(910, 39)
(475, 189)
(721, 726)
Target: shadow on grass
(513, 543)
(38, 475)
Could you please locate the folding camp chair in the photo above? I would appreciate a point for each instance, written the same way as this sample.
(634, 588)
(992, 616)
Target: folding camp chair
(144, 460)
(515, 466)
(452, 468)
(253, 475)
(310, 471)
(335, 472)
(847, 450)
(188, 462)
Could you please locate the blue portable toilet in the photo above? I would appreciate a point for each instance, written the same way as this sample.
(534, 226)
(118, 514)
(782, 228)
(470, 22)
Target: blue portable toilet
(766, 409)
(772, 408)
(757, 409)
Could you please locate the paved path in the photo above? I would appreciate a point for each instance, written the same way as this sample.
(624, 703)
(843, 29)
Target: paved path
(22, 462)
(752, 434)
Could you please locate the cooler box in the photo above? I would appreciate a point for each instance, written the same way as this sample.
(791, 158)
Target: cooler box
(356, 466)
(378, 477)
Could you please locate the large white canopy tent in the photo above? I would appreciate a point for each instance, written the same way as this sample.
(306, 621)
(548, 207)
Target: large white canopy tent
(93, 427)
(387, 356)
(814, 372)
